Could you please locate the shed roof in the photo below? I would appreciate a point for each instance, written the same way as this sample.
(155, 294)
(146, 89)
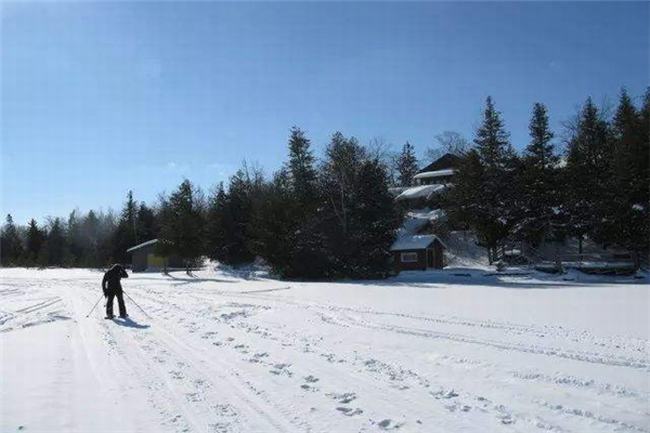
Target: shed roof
(142, 245)
(415, 242)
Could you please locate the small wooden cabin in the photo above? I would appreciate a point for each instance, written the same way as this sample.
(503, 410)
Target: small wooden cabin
(145, 258)
(418, 252)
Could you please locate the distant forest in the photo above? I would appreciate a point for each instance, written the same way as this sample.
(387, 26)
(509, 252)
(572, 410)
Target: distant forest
(333, 216)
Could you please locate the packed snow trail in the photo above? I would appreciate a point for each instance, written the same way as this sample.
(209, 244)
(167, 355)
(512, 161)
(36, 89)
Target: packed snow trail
(228, 353)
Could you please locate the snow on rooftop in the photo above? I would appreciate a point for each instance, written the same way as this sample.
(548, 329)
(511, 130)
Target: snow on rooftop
(421, 191)
(414, 242)
(427, 214)
(143, 244)
(437, 173)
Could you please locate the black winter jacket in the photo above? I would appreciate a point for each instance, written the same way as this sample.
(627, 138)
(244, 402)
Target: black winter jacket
(111, 282)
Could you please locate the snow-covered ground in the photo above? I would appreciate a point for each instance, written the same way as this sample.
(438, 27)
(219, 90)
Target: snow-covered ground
(451, 351)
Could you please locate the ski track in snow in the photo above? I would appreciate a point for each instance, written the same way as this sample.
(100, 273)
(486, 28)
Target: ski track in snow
(223, 354)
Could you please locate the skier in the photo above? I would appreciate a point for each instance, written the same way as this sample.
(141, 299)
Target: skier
(112, 287)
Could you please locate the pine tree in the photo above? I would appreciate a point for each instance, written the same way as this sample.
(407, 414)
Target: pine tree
(214, 228)
(126, 234)
(301, 167)
(91, 233)
(146, 224)
(74, 240)
(626, 204)
(406, 165)
(11, 247)
(538, 181)
(492, 141)
(493, 200)
(588, 173)
(35, 240)
(275, 225)
(56, 243)
(375, 222)
(182, 225)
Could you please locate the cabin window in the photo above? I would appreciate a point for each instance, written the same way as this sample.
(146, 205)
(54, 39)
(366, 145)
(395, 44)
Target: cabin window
(409, 257)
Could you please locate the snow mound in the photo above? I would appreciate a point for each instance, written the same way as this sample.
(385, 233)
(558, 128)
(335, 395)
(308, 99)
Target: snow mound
(463, 250)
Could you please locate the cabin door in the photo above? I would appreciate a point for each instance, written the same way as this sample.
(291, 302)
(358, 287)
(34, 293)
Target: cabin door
(429, 257)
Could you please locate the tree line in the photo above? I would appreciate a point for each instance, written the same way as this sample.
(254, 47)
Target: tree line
(333, 216)
(598, 188)
(321, 218)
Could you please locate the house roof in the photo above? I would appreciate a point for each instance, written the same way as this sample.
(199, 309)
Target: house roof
(142, 245)
(414, 242)
(437, 173)
(420, 191)
(446, 161)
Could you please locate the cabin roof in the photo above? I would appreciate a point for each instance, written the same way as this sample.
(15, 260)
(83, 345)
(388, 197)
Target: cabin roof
(415, 242)
(437, 173)
(446, 161)
(420, 191)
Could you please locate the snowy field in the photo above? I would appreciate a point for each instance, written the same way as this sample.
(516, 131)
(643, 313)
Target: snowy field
(426, 352)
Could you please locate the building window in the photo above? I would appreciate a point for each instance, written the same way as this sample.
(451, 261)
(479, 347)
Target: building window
(409, 257)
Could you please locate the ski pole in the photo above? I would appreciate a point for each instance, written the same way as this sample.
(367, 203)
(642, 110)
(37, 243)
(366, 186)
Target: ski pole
(94, 306)
(136, 304)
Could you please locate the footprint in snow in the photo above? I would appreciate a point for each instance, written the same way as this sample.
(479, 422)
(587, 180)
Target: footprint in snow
(348, 411)
(279, 369)
(344, 398)
(311, 379)
(176, 374)
(389, 424)
(445, 394)
(193, 397)
(209, 334)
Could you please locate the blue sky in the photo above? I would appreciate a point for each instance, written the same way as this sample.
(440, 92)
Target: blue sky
(99, 98)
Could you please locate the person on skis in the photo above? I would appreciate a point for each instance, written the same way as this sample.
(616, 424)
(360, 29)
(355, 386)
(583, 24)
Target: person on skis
(112, 287)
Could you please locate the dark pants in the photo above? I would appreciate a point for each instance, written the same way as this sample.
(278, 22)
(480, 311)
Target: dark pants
(120, 302)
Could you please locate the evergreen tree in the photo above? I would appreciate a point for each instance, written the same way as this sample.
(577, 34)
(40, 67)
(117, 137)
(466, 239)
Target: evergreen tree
(406, 165)
(214, 227)
(11, 247)
(91, 235)
(489, 170)
(588, 173)
(492, 141)
(146, 224)
(76, 245)
(301, 167)
(56, 243)
(296, 251)
(182, 224)
(375, 222)
(35, 240)
(275, 225)
(237, 217)
(538, 181)
(627, 198)
(126, 234)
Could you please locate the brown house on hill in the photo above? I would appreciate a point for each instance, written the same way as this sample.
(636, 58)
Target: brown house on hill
(440, 171)
(418, 253)
(144, 257)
